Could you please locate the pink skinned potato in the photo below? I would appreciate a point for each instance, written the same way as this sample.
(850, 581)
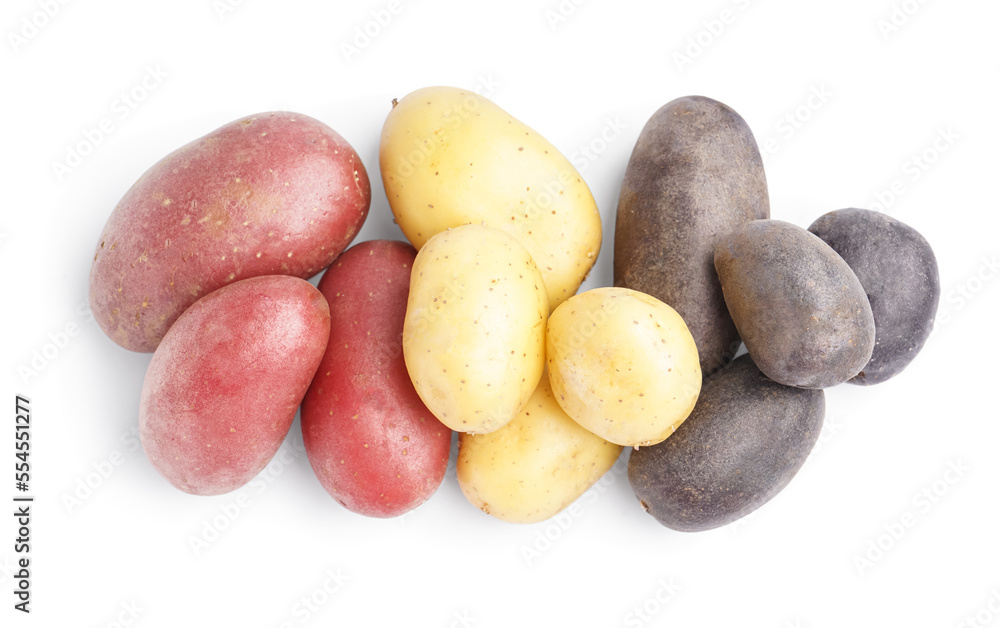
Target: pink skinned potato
(271, 194)
(373, 444)
(224, 385)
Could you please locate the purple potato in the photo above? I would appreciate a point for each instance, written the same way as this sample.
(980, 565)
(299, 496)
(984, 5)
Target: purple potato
(802, 313)
(695, 175)
(745, 440)
(898, 270)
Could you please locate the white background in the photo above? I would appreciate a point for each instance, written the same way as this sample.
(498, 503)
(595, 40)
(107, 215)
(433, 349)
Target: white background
(887, 96)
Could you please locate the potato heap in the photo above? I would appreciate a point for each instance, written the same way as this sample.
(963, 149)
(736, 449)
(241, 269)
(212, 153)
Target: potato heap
(203, 261)
(477, 327)
(851, 299)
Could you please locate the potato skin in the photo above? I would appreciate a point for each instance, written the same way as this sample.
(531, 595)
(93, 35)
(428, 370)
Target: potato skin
(695, 175)
(474, 332)
(271, 194)
(372, 443)
(224, 385)
(450, 157)
(623, 365)
(536, 465)
(899, 272)
(799, 308)
(746, 439)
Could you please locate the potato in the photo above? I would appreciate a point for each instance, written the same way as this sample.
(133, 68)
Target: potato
(373, 444)
(224, 385)
(897, 268)
(798, 306)
(536, 465)
(474, 332)
(623, 365)
(271, 194)
(450, 157)
(746, 439)
(695, 175)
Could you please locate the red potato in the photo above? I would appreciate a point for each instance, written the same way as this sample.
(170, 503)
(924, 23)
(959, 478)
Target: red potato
(373, 444)
(224, 385)
(271, 194)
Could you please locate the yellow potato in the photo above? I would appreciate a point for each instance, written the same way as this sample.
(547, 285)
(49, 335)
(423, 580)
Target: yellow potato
(623, 365)
(536, 465)
(450, 157)
(474, 331)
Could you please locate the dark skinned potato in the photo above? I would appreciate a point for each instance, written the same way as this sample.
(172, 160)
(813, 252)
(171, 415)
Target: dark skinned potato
(899, 272)
(746, 439)
(800, 309)
(695, 175)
